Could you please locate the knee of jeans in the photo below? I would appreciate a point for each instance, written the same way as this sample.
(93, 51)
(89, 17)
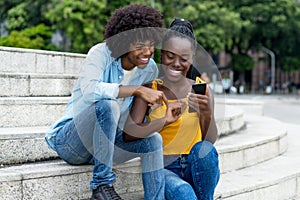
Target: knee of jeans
(206, 152)
(154, 142)
(185, 189)
(66, 153)
(180, 191)
(103, 107)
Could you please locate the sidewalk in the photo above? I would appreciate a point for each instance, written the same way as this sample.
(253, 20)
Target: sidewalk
(276, 97)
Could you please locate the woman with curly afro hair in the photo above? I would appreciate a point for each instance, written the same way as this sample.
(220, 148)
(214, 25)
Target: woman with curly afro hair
(90, 131)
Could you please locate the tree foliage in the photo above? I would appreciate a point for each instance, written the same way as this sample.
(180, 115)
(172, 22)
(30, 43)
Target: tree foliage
(215, 25)
(37, 37)
(81, 21)
(25, 14)
(241, 62)
(236, 26)
(5, 6)
(17, 17)
(274, 24)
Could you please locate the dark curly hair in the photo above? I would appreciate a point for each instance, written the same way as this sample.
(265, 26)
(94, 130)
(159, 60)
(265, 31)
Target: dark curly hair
(130, 24)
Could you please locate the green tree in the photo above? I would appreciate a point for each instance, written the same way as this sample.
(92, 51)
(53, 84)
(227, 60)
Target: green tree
(24, 19)
(235, 26)
(17, 17)
(25, 14)
(5, 6)
(37, 37)
(81, 22)
(112, 5)
(170, 9)
(215, 26)
(273, 23)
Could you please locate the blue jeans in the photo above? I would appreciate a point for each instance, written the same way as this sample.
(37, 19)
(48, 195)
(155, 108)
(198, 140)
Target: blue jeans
(193, 176)
(93, 136)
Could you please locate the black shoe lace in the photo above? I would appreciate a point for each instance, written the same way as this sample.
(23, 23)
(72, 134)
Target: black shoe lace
(112, 192)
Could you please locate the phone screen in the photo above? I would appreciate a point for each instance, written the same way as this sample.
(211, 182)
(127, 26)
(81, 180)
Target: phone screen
(198, 88)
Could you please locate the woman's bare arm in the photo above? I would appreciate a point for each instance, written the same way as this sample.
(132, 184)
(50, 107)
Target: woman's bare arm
(207, 121)
(136, 127)
(204, 104)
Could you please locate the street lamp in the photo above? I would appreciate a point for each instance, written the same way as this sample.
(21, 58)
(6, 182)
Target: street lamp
(268, 51)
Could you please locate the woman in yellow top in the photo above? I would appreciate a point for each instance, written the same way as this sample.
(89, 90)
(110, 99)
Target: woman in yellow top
(191, 161)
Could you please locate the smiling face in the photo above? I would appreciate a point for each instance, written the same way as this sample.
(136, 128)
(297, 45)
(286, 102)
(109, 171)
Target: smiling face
(176, 57)
(138, 55)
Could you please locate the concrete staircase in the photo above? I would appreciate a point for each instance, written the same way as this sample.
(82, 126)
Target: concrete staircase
(258, 155)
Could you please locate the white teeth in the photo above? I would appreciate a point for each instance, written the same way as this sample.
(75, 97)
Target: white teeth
(174, 71)
(144, 59)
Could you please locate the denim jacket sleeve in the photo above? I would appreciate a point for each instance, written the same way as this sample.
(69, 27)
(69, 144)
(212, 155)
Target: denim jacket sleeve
(93, 83)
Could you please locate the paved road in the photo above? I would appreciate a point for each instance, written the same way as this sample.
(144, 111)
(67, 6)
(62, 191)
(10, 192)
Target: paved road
(285, 108)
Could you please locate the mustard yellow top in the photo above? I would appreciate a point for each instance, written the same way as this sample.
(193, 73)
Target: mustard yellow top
(180, 136)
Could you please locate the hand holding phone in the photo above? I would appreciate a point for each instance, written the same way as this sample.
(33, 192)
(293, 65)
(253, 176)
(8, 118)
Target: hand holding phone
(198, 88)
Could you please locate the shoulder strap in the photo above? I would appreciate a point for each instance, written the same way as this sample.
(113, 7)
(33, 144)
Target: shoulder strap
(199, 80)
(155, 82)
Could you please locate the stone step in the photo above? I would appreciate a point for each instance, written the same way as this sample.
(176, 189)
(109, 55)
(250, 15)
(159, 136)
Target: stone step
(276, 179)
(294, 198)
(229, 119)
(57, 180)
(25, 84)
(248, 106)
(34, 111)
(72, 181)
(263, 138)
(26, 144)
(19, 60)
(31, 111)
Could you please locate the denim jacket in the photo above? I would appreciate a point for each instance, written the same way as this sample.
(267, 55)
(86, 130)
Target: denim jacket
(99, 79)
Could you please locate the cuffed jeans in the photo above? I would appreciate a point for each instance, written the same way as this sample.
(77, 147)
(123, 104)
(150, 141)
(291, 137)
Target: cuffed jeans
(93, 136)
(194, 176)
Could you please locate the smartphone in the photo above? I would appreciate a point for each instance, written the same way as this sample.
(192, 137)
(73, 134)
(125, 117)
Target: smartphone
(198, 88)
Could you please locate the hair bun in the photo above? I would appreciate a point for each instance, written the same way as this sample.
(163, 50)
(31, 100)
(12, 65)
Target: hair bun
(182, 22)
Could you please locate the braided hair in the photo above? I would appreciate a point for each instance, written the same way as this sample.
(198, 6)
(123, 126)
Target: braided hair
(180, 28)
(184, 29)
